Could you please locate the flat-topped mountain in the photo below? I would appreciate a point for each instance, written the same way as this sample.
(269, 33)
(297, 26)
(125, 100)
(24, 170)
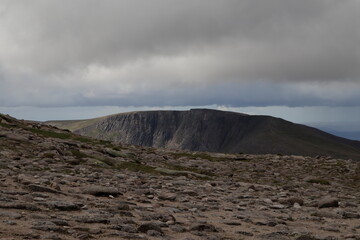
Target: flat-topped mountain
(214, 131)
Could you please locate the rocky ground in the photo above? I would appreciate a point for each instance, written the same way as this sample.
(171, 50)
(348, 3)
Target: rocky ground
(56, 185)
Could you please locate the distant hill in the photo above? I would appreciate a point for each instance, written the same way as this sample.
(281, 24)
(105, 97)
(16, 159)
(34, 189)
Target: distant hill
(214, 131)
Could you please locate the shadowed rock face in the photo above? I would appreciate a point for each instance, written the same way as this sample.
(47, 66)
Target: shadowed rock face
(200, 130)
(217, 131)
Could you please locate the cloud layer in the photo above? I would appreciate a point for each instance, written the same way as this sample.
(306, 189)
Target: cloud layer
(180, 52)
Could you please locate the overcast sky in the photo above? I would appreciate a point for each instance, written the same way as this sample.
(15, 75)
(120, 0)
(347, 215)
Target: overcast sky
(150, 54)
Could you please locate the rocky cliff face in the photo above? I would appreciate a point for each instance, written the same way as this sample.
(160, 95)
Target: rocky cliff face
(58, 185)
(215, 131)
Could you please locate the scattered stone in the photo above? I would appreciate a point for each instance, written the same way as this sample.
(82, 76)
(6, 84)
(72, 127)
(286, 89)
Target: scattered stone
(94, 219)
(154, 233)
(24, 206)
(100, 191)
(129, 194)
(350, 215)
(167, 196)
(291, 201)
(204, 228)
(328, 203)
(306, 237)
(233, 223)
(48, 226)
(248, 234)
(149, 226)
(65, 206)
(38, 188)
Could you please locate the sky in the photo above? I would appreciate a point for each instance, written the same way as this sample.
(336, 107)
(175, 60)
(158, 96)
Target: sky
(299, 60)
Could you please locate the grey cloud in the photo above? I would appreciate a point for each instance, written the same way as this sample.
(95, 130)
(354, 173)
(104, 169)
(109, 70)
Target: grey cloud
(51, 47)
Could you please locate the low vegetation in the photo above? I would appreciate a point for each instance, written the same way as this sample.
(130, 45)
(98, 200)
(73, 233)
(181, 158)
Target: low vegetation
(319, 181)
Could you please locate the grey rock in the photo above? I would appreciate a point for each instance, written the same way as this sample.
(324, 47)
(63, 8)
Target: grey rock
(350, 215)
(64, 206)
(154, 233)
(167, 196)
(100, 191)
(94, 219)
(24, 206)
(204, 228)
(328, 202)
(149, 226)
(38, 188)
(48, 226)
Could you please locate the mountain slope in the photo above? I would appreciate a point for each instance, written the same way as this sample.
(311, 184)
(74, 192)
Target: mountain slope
(214, 131)
(59, 185)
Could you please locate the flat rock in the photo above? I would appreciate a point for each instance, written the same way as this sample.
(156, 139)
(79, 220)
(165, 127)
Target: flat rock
(39, 188)
(149, 226)
(167, 196)
(328, 203)
(100, 191)
(64, 206)
(204, 228)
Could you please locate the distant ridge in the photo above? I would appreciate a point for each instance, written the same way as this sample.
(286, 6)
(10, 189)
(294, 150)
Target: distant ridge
(214, 131)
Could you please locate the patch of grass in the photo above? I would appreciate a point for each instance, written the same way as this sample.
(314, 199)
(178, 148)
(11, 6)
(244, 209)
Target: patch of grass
(117, 148)
(241, 159)
(3, 166)
(319, 181)
(189, 169)
(67, 135)
(49, 134)
(39, 169)
(67, 171)
(202, 156)
(5, 125)
(114, 153)
(356, 176)
(109, 161)
(105, 143)
(83, 139)
(276, 182)
(204, 178)
(78, 154)
(190, 155)
(137, 167)
(49, 155)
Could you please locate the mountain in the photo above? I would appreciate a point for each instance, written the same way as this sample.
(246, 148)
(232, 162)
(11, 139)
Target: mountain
(214, 131)
(341, 129)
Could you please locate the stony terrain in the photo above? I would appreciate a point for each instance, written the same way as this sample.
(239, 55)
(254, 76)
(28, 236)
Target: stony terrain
(57, 185)
(214, 131)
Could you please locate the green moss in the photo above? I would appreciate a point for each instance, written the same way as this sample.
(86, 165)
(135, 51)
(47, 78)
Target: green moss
(137, 167)
(78, 154)
(319, 181)
(117, 148)
(50, 134)
(83, 139)
(109, 161)
(114, 153)
(3, 166)
(67, 135)
(39, 169)
(49, 155)
(200, 155)
(66, 171)
(5, 125)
